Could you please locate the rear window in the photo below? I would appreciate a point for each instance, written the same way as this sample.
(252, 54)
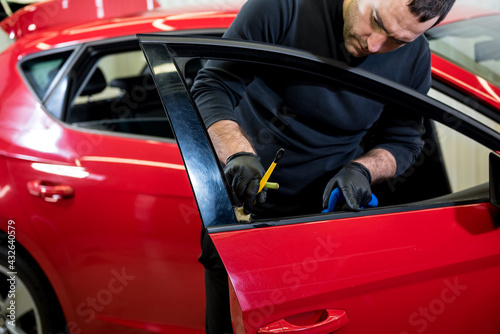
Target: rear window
(472, 44)
(41, 71)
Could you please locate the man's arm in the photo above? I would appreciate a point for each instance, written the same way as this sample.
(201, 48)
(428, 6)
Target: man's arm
(381, 164)
(243, 169)
(228, 139)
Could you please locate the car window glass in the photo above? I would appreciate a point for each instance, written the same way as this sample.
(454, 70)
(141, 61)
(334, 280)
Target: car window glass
(438, 171)
(41, 71)
(472, 44)
(466, 161)
(119, 95)
(115, 68)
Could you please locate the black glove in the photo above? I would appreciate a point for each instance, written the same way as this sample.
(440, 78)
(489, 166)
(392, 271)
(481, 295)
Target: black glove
(244, 171)
(353, 180)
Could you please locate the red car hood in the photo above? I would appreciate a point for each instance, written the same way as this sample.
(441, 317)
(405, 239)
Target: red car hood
(51, 13)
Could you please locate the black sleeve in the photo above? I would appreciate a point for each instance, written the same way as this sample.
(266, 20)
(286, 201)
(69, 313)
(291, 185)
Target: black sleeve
(220, 85)
(401, 133)
(401, 136)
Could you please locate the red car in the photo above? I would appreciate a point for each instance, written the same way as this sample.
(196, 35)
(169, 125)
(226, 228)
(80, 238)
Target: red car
(100, 228)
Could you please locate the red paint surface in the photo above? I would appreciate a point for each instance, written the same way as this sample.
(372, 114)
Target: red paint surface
(394, 273)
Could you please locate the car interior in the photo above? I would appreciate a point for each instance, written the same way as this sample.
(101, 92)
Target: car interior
(119, 100)
(126, 104)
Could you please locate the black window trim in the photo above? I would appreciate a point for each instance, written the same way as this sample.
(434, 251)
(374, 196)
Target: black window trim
(467, 100)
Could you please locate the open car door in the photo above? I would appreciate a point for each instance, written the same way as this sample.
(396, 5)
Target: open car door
(430, 265)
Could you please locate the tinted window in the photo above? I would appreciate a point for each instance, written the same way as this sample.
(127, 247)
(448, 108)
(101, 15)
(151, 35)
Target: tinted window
(41, 71)
(440, 170)
(118, 94)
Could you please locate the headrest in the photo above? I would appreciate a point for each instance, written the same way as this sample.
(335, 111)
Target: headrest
(96, 84)
(129, 83)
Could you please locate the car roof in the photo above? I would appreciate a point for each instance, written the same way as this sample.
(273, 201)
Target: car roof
(156, 20)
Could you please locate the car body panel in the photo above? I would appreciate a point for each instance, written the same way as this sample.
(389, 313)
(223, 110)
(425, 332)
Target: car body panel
(133, 222)
(391, 273)
(122, 220)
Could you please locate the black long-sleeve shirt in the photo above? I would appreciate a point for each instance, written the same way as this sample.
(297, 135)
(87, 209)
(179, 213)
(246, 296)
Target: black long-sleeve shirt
(321, 128)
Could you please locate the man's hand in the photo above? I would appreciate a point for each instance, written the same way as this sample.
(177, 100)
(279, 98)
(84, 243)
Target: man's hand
(353, 180)
(244, 171)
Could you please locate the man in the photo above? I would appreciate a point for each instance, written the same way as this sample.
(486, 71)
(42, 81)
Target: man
(323, 130)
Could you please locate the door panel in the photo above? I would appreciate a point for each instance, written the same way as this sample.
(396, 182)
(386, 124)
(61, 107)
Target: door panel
(391, 273)
(121, 253)
(428, 266)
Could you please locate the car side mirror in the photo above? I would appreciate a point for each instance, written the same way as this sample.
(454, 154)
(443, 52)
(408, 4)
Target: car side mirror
(495, 179)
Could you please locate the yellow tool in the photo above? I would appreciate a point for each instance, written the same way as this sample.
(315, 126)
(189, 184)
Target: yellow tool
(269, 171)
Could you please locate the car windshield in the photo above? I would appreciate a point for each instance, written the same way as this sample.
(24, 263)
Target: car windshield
(472, 44)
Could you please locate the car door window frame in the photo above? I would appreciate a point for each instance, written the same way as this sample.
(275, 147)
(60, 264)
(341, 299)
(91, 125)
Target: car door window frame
(467, 100)
(83, 60)
(172, 53)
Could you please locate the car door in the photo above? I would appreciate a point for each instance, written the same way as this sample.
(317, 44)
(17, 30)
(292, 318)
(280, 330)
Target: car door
(113, 220)
(420, 265)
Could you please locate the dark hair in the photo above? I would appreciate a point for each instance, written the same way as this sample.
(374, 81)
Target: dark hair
(429, 9)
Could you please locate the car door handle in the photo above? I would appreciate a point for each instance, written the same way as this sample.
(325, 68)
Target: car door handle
(319, 322)
(50, 191)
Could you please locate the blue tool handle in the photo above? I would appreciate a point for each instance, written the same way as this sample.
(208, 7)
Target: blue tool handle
(336, 196)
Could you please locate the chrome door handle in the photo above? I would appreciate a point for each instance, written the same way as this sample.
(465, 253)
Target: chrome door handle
(320, 322)
(50, 191)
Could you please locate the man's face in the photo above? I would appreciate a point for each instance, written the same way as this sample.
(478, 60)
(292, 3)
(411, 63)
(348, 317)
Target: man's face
(380, 26)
